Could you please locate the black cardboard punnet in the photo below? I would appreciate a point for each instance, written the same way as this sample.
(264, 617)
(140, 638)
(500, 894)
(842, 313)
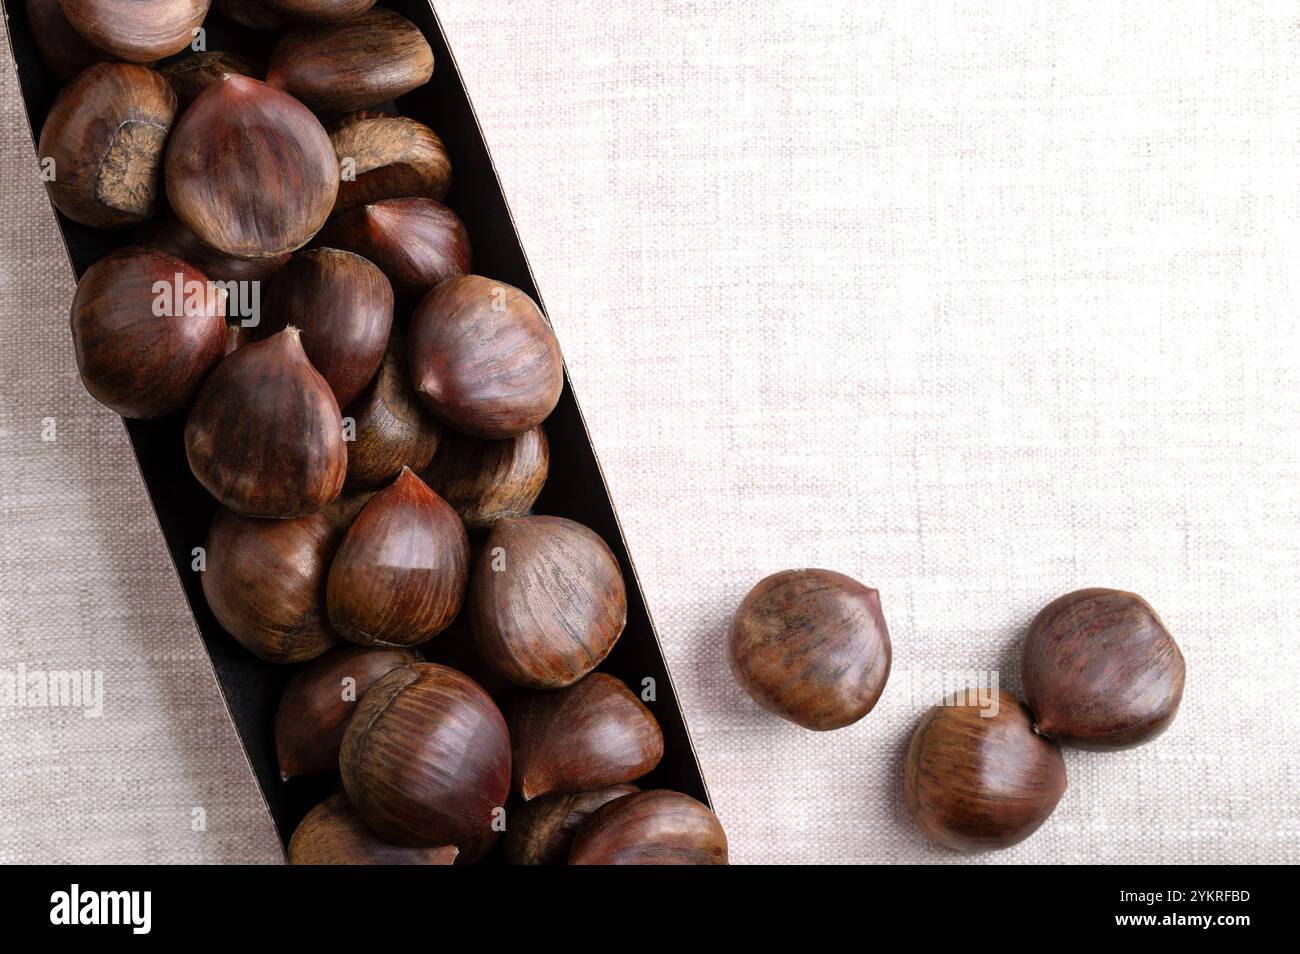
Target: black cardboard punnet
(576, 488)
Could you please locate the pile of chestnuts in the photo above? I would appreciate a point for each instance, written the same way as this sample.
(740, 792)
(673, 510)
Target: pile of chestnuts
(373, 436)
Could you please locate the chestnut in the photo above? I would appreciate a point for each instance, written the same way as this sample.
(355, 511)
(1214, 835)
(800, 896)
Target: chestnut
(400, 574)
(343, 305)
(417, 242)
(64, 50)
(1100, 671)
(388, 157)
(253, 14)
(978, 779)
(265, 583)
(192, 74)
(658, 827)
(139, 353)
(265, 436)
(104, 137)
(541, 831)
(137, 30)
(547, 601)
(393, 430)
(594, 733)
(318, 11)
(426, 759)
(236, 337)
(170, 234)
(352, 64)
(484, 359)
(250, 169)
(486, 480)
(319, 700)
(811, 646)
(332, 833)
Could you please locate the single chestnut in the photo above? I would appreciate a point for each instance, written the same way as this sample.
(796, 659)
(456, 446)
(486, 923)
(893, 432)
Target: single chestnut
(417, 242)
(592, 734)
(393, 429)
(658, 827)
(547, 601)
(978, 778)
(1100, 671)
(359, 62)
(541, 832)
(265, 583)
(319, 700)
(426, 759)
(486, 480)
(811, 646)
(265, 436)
(137, 30)
(170, 234)
(343, 305)
(253, 14)
(318, 11)
(102, 144)
(333, 833)
(387, 157)
(192, 74)
(484, 359)
(400, 574)
(64, 50)
(142, 353)
(250, 169)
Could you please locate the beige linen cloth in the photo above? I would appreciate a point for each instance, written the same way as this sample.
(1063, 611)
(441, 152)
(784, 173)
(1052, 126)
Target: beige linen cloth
(979, 303)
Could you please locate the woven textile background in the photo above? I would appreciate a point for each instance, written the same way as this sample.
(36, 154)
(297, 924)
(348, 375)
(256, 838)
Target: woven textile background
(978, 303)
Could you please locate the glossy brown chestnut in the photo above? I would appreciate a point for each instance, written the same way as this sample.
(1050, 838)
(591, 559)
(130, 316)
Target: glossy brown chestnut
(250, 169)
(978, 782)
(192, 74)
(417, 242)
(102, 144)
(426, 759)
(388, 157)
(319, 700)
(486, 480)
(653, 828)
(141, 354)
(250, 13)
(318, 11)
(592, 734)
(265, 436)
(352, 64)
(333, 833)
(137, 30)
(811, 646)
(1100, 671)
(547, 601)
(64, 50)
(265, 582)
(399, 577)
(541, 831)
(484, 359)
(170, 234)
(393, 430)
(343, 305)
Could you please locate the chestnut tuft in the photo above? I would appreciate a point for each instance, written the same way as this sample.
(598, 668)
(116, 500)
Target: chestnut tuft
(265, 583)
(547, 601)
(658, 827)
(250, 169)
(594, 733)
(389, 157)
(426, 759)
(811, 646)
(103, 144)
(333, 833)
(349, 65)
(393, 429)
(194, 73)
(318, 11)
(265, 436)
(137, 30)
(417, 242)
(400, 574)
(170, 234)
(978, 782)
(64, 50)
(1100, 671)
(541, 831)
(343, 305)
(486, 480)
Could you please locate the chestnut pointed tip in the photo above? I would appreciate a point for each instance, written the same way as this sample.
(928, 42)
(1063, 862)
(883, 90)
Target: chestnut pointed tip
(285, 776)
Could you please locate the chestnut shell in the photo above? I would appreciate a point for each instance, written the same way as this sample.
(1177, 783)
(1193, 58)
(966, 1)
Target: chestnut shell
(393, 157)
(393, 429)
(657, 827)
(1100, 671)
(194, 73)
(64, 50)
(541, 831)
(977, 784)
(137, 30)
(486, 480)
(333, 833)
